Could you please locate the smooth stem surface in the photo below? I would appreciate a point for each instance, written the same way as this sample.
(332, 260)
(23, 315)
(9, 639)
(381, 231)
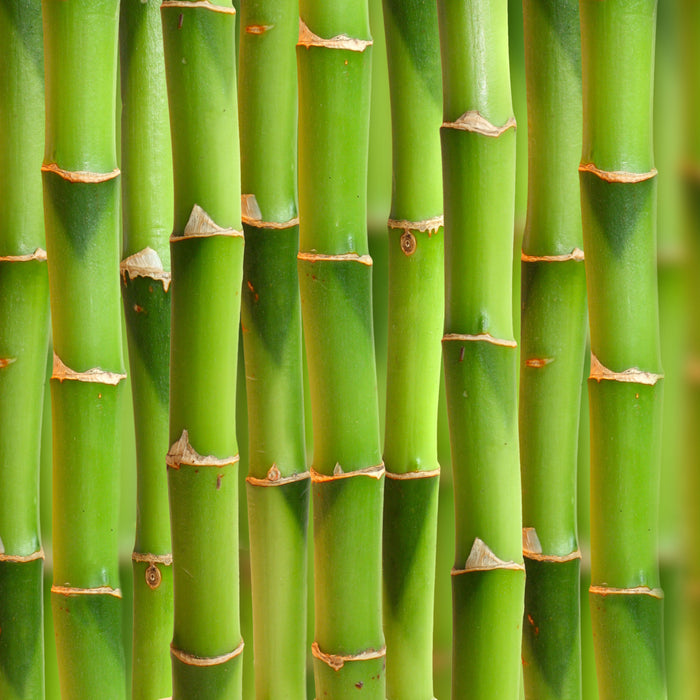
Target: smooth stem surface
(553, 337)
(416, 315)
(147, 212)
(479, 352)
(618, 195)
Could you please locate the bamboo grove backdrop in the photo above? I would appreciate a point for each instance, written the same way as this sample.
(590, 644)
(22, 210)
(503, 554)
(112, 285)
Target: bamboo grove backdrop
(302, 504)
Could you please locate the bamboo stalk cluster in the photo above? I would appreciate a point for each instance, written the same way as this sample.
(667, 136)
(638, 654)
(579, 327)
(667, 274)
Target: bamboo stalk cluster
(242, 202)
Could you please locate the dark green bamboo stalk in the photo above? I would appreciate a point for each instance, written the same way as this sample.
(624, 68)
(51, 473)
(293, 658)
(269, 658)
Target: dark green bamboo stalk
(24, 331)
(81, 204)
(207, 262)
(618, 196)
(478, 151)
(553, 340)
(147, 216)
(278, 480)
(335, 277)
(416, 317)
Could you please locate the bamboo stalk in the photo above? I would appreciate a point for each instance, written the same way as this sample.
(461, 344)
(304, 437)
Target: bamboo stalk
(81, 189)
(207, 259)
(335, 279)
(416, 316)
(24, 331)
(553, 340)
(479, 352)
(618, 195)
(278, 481)
(147, 215)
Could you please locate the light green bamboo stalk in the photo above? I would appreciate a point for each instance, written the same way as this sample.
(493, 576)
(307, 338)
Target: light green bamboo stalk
(618, 195)
(479, 352)
(416, 316)
(24, 332)
(335, 278)
(81, 204)
(278, 481)
(147, 216)
(207, 260)
(553, 340)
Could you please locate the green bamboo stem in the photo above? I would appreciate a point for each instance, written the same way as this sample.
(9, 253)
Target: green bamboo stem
(207, 260)
(24, 332)
(479, 352)
(618, 195)
(278, 480)
(553, 340)
(147, 214)
(416, 316)
(81, 190)
(335, 278)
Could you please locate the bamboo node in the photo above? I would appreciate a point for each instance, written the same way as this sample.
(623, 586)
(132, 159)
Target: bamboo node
(201, 225)
(39, 255)
(338, 257)
(430, 225)
(145, 263)
(6, 361)
(532, 549)
(619, 176)
(274, 478)
(148, 558)
(20, 558)
(80, 176)
(198, 4)
(375, 472)
(633, 375)
(637, 590)
(95, 375)
(482, 558)
(337, 661)
(181, 452)
(418, 474)
(478, 124)
(192, 660)
(252, 216)
(576, 255)
(308, 39)
(99, 590)
(483, 337)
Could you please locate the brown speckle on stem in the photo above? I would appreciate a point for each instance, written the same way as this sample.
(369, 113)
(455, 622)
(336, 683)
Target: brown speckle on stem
(538, 362)
(258, 28)
(6, 361)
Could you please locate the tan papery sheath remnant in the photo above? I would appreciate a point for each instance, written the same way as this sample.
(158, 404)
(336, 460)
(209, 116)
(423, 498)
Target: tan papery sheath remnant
(476, 123)
(430, 225)
(201, 225)
(337, 661)
(257, 29)
(532, 549)
(252, 216)
(21, 558)
(322, 257)
(375, 472)
(538, 362)
(100, 590)
(483, 337)
(275, 478)
(633, 375)
(638, 590)
(148, 558)
(419, 474)
(94, 375)
(181, 452)
(576, 255)
(39, 255)
(198, 4)
(482, 558)
(619, 176)
(342, 41)
(145, 263)
(192, 660)
(80, 176)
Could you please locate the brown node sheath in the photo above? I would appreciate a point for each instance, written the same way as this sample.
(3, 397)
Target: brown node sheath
(252, 216)
(100, 590)
(430, 225)
(145, 263)
(148, 558)
(198, 4)
(337, 661)
(633, 375)
(79, 176)
(21, 558)
(576, 255)
(181, 452)
(275, 478)
(192, 660)
(308, 39)
(323, 257)
(95, 375)
(418, 474)
(375, 472)
(474, 122)
(39, 255)
(479, 337)
(619, 176)
(532, 549)
(201, 225)
(482, 558)
(637, 590)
